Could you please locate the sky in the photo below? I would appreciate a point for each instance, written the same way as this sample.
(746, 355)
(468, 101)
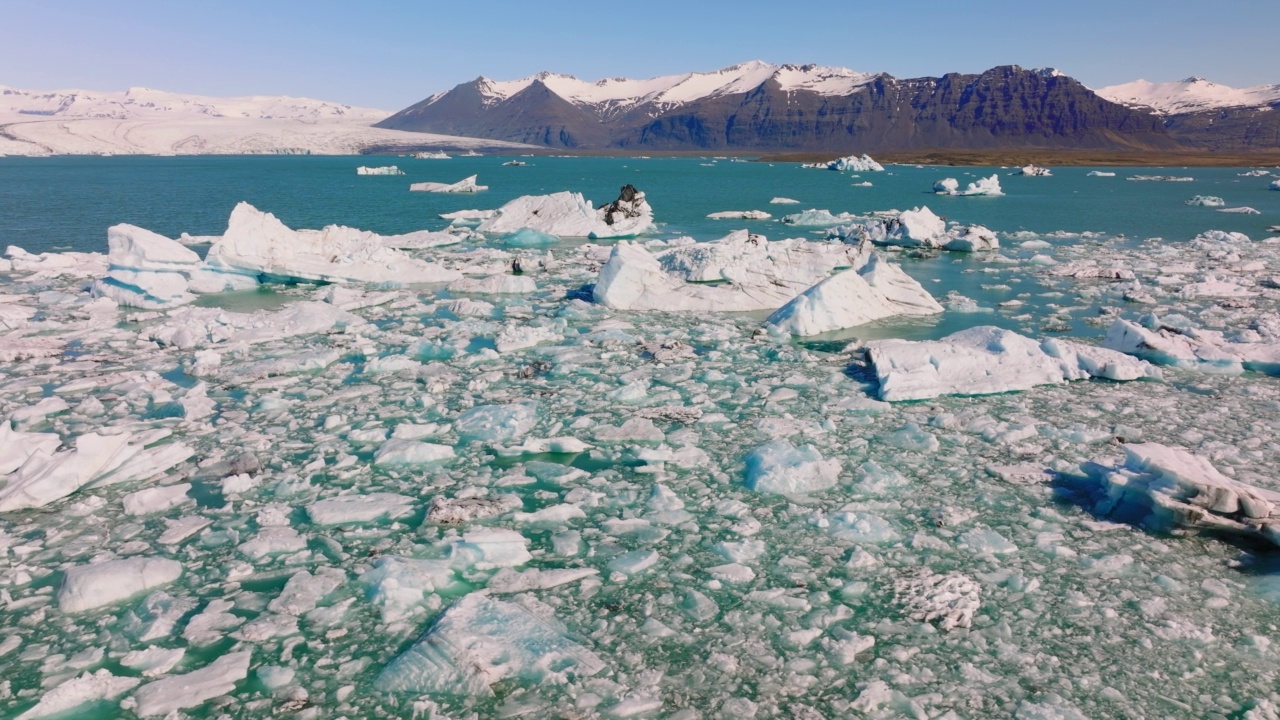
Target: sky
(391, 53)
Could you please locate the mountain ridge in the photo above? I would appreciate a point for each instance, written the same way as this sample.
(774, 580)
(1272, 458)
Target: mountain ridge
(767, 107)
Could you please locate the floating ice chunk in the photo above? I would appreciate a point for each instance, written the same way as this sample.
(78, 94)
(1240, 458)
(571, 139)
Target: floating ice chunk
(986, 541)
(1206, 350)
(780, 467)
(395, 452)
(507, 580)
(154, 661)
(419, 240)
(760, 275)
(971, 238)
(360, 508)
(538, 446)
(851, 163)
(1206, 201)
(146, 270)
(1033, 171)
(384, 170)
(989, 186)
(521, 336)
(633, 563)
(500, 284)
(74, 694)
(816, 218)
(784, 201)
(740, 215)
(258, 244)
(1275, 185)
(949, 600)
(17, 447)
(156, 616)
(1164, 487)
(274, 677)
(568, 214)
(1242, 210)
(304, 591)
(45, 478)
(984, 360)
(25, 417)
(465, 185)
(272, 541)
(1099, 173)
(184, 691)
(85, 587)
(850, 298)
(489, 548)
(732, 572)
(496, 423)
(455, 511)
(400, 587)
(479, 641)
(861, 527)
(469, 217)
(154, 500)
(552, 515)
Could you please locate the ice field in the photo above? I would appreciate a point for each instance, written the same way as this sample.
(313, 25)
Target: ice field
(280, 439)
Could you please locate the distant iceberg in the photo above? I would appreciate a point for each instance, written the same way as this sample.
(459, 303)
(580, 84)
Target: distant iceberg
(568, 214)
(426, 155)
(466, 185)
(1206, 201)
(852, 163)
(918, 227)
(1033, 171)
(388, 170)
(740, 215)
(1099, 173)
(1275, 185)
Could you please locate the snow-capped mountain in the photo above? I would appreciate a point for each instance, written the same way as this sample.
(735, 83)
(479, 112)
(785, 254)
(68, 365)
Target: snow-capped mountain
(758, 105)
(611, 97)
(146, 121)
(1195, 94)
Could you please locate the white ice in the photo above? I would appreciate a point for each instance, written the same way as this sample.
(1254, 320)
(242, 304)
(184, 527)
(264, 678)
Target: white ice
(465, 185)
(568, 214)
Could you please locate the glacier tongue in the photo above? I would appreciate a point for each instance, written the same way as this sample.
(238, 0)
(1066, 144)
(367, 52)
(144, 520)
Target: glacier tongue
(479, 641)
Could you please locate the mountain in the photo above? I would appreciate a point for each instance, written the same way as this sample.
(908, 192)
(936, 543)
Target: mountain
(1202, 113)
(145, 121)
(759, 106)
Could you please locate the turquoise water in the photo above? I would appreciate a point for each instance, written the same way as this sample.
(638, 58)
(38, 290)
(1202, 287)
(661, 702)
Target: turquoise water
(1078, 616)
(68, 202)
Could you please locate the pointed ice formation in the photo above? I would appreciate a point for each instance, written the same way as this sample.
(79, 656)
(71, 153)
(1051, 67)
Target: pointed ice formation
(465, 185)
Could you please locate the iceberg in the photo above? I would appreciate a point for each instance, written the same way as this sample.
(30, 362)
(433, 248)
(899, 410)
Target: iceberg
(817, 218)
(428, 155)
(257, 244)
(178, 692)
(1099, 173)
(749, 273)
(568, 214)
(146, 270)
(854, 297)
(1205, 350)
(984, 360)
(989, 186)
(1033, 171)
(740, 215)
(386, 170)
(465, 185)
(86, 587)
(918, 227)
(851, 163)
(1275, 185)
(1206, 201)
(780, 467)
(1163, 487)
(479, 641)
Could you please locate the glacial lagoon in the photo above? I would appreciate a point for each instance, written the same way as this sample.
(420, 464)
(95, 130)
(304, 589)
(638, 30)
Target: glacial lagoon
(377, 500)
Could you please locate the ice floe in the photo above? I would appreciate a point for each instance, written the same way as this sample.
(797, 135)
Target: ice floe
(877, 290)
(465, 185)
(384, 170)
(988, 186)
(985, 359)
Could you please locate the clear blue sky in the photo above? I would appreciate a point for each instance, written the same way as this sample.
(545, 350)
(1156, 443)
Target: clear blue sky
(392, 53)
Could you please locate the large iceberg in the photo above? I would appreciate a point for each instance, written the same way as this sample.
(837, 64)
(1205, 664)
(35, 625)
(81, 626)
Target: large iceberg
(985, 359)
(480, 641)
(1164, 487)
(740, 272)
(384, 170)
(568, 214)
(465, 185)
(981, 186)
(854, 297)
(258, 244)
